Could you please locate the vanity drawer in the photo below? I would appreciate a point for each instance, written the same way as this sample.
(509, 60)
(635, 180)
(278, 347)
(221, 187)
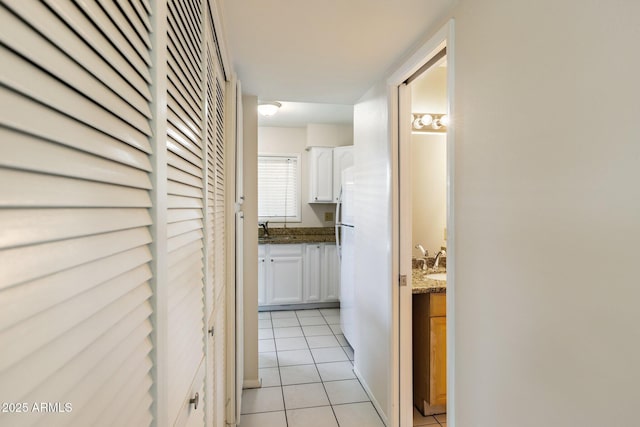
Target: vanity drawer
(437, 305)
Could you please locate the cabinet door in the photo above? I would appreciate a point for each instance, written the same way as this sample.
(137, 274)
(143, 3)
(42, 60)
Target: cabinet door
(262, 281)
(312, 273)
(438, 361)
(331, 274)
(342, 158)
(321, 175)
(284, 280)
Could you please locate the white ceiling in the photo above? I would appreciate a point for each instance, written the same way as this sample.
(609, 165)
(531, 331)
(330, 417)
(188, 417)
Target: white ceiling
(299, 114)
(322, 51)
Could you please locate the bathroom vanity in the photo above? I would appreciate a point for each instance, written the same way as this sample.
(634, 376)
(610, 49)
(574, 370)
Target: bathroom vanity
(429, 342)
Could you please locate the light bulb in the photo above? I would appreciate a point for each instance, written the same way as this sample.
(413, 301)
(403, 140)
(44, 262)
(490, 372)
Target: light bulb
(444, 120)
(426, 120)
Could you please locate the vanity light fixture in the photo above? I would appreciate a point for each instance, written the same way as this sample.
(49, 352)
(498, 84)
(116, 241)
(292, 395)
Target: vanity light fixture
(268, 108)
(429, 123)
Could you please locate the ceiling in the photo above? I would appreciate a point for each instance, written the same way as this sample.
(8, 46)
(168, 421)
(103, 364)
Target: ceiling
(326, 51)
(299, 114)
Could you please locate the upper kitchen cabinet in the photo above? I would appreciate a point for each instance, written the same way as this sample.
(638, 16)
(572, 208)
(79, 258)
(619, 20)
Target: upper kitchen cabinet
(320, 175)
(325, 170)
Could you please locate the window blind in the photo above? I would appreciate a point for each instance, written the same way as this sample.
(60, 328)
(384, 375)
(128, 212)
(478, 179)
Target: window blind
(278, 187)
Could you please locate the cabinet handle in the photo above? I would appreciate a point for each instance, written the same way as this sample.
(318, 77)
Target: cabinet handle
(195, 400)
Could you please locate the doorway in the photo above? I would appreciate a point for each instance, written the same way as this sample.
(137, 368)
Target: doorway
(430, 55)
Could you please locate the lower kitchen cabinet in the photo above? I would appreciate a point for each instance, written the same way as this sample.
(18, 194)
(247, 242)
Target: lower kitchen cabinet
(430, 352)
(297, 273)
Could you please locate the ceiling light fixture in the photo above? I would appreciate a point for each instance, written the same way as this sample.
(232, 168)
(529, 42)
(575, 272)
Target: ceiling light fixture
(268, 108)
(429, 123)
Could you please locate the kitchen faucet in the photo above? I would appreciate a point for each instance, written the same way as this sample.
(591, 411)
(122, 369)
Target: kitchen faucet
(438, 255)
(265, 227)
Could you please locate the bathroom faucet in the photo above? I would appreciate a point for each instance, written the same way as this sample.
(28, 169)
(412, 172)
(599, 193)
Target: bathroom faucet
(425, 254)
(438, 255)
(265, 227)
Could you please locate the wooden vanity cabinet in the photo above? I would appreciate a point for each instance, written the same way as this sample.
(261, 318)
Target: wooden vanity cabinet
(430, 352)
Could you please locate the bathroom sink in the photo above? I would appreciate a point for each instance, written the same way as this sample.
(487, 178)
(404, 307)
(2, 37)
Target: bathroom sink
(437, 276)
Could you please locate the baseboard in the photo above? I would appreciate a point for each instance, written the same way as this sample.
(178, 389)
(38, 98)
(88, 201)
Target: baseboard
(257, 383)
(305, 306)
(367, 390)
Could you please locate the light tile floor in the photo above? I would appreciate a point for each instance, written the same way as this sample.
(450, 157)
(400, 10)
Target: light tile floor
(306, 366)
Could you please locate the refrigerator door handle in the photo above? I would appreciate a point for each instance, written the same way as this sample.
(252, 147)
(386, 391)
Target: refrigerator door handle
(338, 224)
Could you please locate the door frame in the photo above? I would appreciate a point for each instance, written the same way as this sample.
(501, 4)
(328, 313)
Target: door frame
(399, 109)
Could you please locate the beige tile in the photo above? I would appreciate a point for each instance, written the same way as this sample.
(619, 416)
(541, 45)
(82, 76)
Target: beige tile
(336, 329)
(330, 354)
(342, 340)
(336, 371)
(321, 416)
(312, 321)
(322, 341)
(299, 374)
(304, 396)
(266, 345)
(286, 322)
(357, 415)
(308, 313)
(264, 315)
(347, 391)
(310, 331)
(330, 311)
(332, 320)
(262, 400)
(419, 420)
(264, 334)
(267, 359)
(270, 377)
(295, 343)
(290, 332)
(283, 314)
(264, 419)
(295, 357)
(264, 324)
(442, 418)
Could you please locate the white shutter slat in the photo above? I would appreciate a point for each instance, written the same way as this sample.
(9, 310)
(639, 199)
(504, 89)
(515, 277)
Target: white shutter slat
(28, 226)
(180, 32)
(26, 189)
(179, 189)
(21, 302)
(180, 91)
(183, 239)
(183, 227)
(181, 66)
(177, 162)
(36, 119)
(42, 364)
(179, 202)
(30, 262)
(39, 331)
(138, 25)
(114, 27)
(92, 36)
(41, 86)
(75, 312)
(29, 153)
(46, 23)
(176, 108)
(146, 5)
(142, 14)
(183, 129)
(177, 215)
(188, 251)
(178, 175)
(38, 50)
(179, 147)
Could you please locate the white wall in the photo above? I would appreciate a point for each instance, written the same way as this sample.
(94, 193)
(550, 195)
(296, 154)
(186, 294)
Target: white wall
(372, 247)
(293, 140)
(250, 238)
(429, 165)
(547, 206)
(547, 194)
(429, 191)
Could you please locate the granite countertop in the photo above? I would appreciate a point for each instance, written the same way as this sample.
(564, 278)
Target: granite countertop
(422, 285)
(298, 235)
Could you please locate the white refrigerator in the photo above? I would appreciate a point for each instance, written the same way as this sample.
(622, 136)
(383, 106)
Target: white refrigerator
(345, 241)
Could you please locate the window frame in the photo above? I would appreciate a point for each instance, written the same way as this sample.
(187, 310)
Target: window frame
(298, 216)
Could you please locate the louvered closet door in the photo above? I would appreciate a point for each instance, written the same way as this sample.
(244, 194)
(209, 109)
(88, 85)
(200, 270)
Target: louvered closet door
(74, 212)
(216, 222)
(185, 227)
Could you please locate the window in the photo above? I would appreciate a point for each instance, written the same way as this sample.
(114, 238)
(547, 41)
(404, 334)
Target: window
(279, 187)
